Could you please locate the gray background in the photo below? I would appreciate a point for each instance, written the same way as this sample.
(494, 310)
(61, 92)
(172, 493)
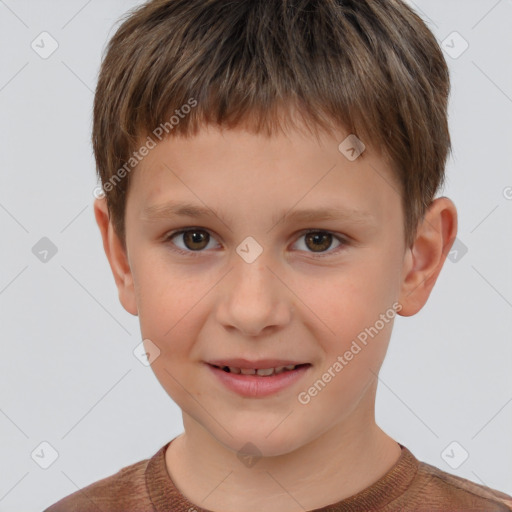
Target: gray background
(68, 373)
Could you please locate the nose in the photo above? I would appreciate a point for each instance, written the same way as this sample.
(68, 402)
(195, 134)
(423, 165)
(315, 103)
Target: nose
(253, 299)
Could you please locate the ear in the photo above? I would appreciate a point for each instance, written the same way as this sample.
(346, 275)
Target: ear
(117, 257)
(425, 258)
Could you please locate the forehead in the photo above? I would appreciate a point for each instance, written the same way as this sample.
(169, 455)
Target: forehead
(232, 172)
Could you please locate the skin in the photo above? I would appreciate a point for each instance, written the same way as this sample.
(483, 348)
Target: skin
(210, 303)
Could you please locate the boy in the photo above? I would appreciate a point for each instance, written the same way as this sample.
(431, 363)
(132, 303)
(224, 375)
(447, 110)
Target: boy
(269, 170)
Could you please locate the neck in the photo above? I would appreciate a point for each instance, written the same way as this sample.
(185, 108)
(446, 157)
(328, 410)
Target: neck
(335, 465)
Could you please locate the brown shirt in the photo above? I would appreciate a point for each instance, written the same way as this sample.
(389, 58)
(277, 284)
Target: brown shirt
(410, 485)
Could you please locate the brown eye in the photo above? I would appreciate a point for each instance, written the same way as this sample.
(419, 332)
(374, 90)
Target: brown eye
(193, 240)
(318, 241)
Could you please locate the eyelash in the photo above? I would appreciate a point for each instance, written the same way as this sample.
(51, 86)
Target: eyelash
(343, 241)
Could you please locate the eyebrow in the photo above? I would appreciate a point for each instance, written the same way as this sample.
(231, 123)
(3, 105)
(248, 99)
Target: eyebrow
(179, 209)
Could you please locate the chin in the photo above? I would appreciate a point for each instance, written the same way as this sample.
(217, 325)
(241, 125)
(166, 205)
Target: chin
(261, 442)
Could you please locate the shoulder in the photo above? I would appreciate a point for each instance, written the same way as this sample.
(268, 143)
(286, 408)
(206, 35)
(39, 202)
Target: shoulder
(124, 490)
(443, 491)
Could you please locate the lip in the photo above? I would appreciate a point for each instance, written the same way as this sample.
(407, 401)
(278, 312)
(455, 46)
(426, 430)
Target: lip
(255, 386)
(260, 364)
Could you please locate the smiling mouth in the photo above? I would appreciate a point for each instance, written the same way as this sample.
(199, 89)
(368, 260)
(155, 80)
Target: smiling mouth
(261, 372)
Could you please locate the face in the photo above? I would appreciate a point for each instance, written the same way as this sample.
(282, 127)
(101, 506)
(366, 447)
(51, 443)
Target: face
(265, 274)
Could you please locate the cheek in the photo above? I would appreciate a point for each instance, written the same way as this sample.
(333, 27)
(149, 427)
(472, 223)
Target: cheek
(166, 301)
(355, 309)
(354, 298)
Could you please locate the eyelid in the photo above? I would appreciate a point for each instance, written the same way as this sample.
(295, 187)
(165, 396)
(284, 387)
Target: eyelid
(343, 239)
(167, 238)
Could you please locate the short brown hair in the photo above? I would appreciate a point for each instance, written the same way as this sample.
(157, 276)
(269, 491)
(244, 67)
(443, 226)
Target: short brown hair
(371, 67)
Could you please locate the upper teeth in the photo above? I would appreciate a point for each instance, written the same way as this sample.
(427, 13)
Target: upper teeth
(264, 372)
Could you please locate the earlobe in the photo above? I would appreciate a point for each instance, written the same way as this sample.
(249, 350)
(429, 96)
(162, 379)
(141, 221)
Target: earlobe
(117, 257)
(424, 260)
